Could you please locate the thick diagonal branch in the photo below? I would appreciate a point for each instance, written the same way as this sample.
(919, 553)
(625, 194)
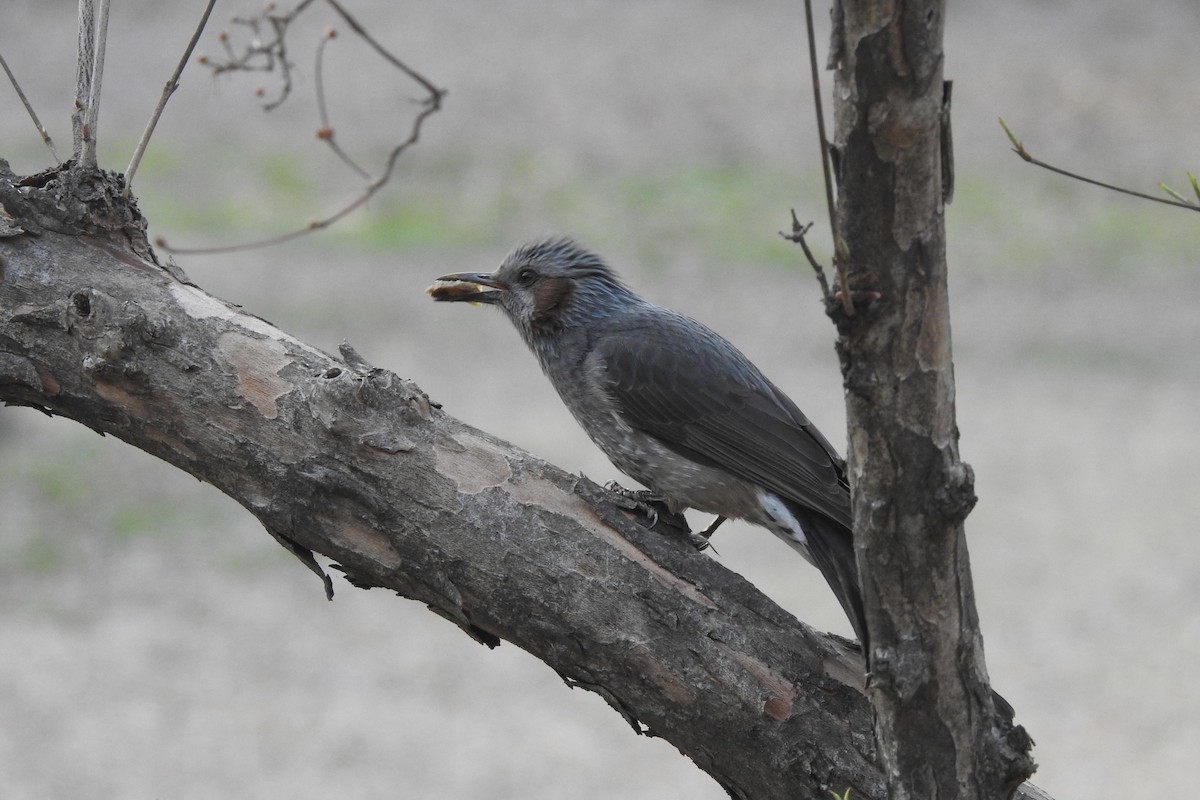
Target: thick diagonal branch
(354, 463)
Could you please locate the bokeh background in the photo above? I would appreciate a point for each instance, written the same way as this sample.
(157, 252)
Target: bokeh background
(156, 643)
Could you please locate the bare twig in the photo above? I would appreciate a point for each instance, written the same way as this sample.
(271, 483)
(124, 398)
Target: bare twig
(326, 132)
(274, 52)
(169, 89)
(91, 117)
(84, 71)
(839, 246)
(797, 236)
(382, 51)
(317, 224)
(833, 298)
(29, 109)
(264, 53)
(1179, 202)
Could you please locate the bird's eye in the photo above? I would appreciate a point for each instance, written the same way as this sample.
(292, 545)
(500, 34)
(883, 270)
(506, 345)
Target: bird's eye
(526, 276)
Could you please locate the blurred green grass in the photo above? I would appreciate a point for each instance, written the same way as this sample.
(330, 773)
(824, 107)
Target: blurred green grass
(1009, 225)
(997, 223)
(734, 212)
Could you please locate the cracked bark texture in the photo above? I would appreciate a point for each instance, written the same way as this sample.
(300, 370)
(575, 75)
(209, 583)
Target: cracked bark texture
(938, 732)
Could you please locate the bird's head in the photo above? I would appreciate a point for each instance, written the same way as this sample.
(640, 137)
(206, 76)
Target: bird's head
(543, 286)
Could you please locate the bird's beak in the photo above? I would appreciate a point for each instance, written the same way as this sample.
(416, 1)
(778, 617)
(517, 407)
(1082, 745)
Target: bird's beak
(470, 287)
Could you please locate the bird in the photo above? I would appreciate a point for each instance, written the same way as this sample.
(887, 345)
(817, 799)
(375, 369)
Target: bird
(675, 405)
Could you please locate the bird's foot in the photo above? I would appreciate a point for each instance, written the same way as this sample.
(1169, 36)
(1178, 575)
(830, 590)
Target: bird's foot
(703, 539)
(643, 500)
(650, 504)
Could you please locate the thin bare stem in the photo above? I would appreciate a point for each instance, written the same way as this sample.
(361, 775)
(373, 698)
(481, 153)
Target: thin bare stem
(84, 70)
(326, 132)
(433, 105)
(429, 105)
(267, 51)
(29, 109)
(797, 235)
(382, 51)
(92, 113)
(168, 89)
(1020, 150)
(839, 247)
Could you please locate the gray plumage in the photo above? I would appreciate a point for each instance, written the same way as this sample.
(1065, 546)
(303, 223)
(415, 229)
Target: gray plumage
(674, 405)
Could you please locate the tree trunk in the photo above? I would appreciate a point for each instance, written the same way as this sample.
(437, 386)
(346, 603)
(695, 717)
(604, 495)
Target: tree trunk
(937, 730)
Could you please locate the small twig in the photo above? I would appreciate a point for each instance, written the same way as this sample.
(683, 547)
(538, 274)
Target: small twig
(29, 109)
(431, 104)
(223, 38)
(382, 51)
(839, 246)
(169, 89)
(264, 53)
(325, 132)
(1020, 150)
(797, 236)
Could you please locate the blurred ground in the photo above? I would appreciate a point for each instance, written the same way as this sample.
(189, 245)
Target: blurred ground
(673, 136)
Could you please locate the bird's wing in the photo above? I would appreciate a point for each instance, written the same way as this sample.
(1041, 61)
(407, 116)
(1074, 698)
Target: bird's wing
(683, 384)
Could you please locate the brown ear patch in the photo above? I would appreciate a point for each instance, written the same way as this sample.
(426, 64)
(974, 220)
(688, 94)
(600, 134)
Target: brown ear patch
(549, 296)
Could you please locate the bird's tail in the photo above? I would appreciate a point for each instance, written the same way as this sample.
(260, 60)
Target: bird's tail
(831, 546)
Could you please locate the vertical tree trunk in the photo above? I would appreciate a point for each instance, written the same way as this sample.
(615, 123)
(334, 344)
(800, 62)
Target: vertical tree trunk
(938, 732)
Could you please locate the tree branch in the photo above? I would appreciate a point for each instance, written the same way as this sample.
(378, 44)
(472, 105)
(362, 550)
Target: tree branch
(84, 73)
(335, 456)
(93, 41)
(91, 117)
(352, 462)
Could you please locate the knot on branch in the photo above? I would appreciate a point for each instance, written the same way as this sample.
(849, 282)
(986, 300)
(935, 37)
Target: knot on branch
(900, 672)
(373, 406)
(110, 333)
(74, 201)
(957, 497)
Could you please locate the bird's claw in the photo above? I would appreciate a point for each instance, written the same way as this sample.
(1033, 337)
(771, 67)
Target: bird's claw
(654, 507)
(637, 500)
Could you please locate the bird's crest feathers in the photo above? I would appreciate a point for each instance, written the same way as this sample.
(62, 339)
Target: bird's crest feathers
(564, 256)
